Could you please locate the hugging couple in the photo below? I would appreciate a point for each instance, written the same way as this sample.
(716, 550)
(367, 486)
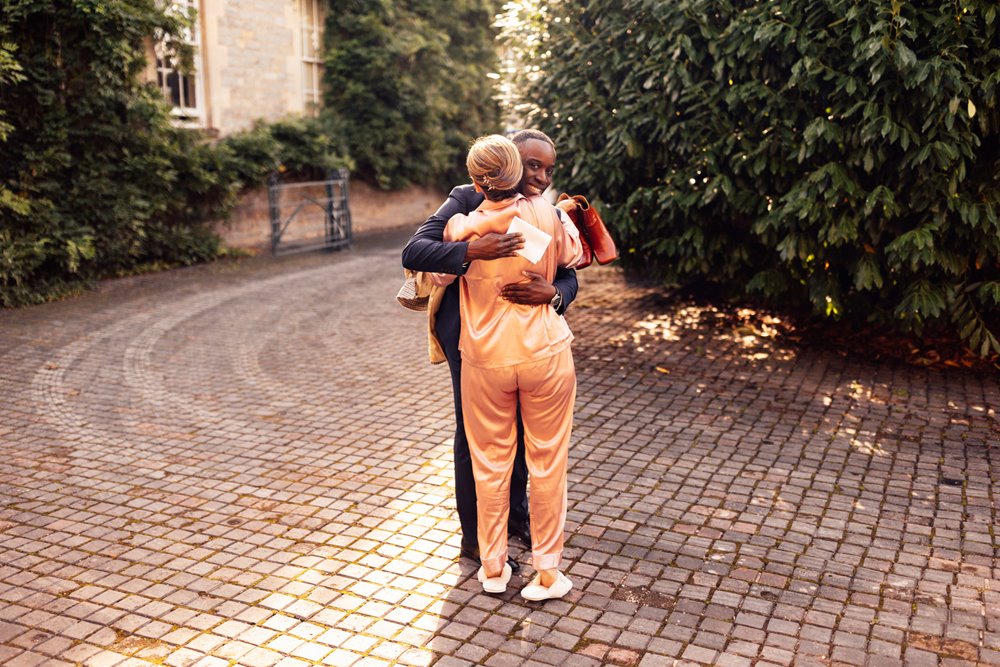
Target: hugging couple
(501, 258)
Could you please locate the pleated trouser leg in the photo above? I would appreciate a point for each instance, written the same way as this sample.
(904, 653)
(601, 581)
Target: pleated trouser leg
(547, 394)
(547, 391)
(489, 403)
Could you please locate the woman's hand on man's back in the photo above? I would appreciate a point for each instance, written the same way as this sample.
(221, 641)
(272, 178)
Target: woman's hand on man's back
(534, 291)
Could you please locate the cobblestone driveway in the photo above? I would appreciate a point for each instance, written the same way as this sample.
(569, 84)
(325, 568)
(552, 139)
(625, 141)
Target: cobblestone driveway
(249, 464)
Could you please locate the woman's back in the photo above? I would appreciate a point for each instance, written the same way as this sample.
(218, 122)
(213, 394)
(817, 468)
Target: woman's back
(496, 332)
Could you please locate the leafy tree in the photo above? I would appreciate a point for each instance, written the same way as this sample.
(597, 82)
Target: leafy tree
(837, 154)
(89, 154)
(409, 82)
(10, 73)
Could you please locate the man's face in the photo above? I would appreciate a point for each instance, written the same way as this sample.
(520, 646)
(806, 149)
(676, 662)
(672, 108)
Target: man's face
(539, 160)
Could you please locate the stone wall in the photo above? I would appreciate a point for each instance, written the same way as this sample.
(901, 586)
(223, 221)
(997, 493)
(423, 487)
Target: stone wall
(372, 210)
(249, 61)
(252, 61)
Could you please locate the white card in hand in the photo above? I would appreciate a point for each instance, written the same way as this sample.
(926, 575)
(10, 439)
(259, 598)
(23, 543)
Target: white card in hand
(535, 240)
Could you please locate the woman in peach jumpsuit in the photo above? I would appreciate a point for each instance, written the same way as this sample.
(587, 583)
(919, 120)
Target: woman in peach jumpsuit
(515, 354)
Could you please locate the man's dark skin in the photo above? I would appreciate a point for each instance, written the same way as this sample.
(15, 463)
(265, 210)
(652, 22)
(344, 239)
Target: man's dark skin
(426, 251)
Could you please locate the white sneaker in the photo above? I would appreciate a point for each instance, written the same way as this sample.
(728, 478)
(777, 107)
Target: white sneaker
(495, 584)
(536, 592)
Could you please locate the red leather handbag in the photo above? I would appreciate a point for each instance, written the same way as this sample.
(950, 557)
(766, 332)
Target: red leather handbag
(597, 242)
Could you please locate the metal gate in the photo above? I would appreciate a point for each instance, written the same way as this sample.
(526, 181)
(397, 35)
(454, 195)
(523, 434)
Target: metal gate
(309, 216)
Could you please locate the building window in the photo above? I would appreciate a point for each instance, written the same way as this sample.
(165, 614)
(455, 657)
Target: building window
(312, 61)
(183, 89)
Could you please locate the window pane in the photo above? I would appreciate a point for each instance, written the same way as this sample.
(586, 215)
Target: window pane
(311, 54)
(180, 90)
(190, 100)
(307, 44)
(174, 88)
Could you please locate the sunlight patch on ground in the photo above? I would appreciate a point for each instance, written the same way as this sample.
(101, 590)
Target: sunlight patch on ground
(868, 447)
(654, 327)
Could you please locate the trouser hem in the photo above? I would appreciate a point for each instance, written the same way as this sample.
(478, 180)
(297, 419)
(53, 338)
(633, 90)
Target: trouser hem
(546, 561)
(494, 563)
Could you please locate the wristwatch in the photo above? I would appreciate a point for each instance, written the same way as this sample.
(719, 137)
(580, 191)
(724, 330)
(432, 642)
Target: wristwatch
(556, 300)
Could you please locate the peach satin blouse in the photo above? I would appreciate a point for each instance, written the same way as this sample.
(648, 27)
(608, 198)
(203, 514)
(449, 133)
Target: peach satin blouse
(496, 332)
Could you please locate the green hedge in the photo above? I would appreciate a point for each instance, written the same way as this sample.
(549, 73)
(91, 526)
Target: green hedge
(834, 154)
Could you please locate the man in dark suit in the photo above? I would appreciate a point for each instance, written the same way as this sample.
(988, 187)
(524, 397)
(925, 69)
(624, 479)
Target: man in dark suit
(427, 251)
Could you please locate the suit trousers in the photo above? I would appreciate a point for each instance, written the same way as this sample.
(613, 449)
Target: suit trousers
(447, 329)
(546, 391)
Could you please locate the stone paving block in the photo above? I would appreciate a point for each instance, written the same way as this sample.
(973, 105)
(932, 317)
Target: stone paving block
(28, 659)
(108, 659)
(504, 660)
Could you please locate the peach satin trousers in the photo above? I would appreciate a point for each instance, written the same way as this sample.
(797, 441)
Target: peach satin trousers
(546, 390)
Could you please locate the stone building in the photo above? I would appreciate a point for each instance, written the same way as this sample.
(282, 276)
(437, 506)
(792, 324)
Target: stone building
(262, 60)
(254, 59)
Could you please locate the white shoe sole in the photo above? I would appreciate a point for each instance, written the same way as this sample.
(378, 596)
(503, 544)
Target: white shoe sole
(495, 584)
(537, 593)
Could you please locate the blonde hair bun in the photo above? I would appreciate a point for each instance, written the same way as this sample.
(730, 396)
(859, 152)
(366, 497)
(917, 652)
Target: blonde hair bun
(494, 163)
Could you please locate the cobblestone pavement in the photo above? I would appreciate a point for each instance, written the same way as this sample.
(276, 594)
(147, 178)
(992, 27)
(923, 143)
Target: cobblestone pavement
(249, 464)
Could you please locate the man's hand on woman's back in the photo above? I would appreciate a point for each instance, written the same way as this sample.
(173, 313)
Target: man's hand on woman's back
(494, 246)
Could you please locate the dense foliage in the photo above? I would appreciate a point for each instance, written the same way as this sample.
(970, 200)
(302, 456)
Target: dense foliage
(95, 180)
(410, 82)
(838, 154)
(10, 73)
